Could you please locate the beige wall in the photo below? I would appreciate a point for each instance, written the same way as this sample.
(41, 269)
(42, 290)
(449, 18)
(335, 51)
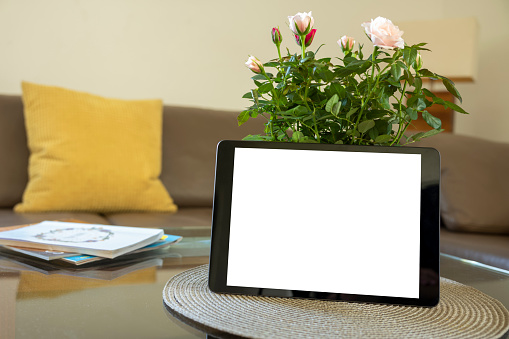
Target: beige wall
(192, 52)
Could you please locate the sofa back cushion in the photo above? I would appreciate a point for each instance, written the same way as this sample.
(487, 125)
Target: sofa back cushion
(13, 151)
(190, 137)
(475, 188)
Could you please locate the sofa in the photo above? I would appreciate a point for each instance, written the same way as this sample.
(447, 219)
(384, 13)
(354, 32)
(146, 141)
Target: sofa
(190, 136)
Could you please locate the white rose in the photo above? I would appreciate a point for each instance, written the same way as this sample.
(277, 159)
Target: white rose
(346, 43)
(383, 33)
(300, 22)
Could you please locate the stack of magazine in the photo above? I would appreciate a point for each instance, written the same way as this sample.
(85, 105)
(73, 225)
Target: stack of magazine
(79, 243)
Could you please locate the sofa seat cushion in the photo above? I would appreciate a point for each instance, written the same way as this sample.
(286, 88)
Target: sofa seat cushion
(93, 154)
(10, 218)
(489, 249)
(185, 217)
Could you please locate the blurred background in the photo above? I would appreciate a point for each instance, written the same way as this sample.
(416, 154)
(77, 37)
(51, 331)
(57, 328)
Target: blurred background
(192, 53)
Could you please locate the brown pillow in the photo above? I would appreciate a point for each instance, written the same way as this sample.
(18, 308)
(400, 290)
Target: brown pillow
(475, 183)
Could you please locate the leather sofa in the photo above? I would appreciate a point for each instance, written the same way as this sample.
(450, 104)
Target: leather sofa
(190, 136)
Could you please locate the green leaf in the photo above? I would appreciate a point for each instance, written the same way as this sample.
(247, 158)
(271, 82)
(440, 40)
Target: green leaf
(325, 117)
(353, 132)
(416, 102)
(248, 95)
(455, 107)
(451, 88)
(301, 110)
(431, 133)
(350, 112)
(402, 65)
(375, 114)
(339, 142)
(259, 77)
(384, 101)
(428, 74)
(382, 139)
(420, 105)
(428, 93)
(326, 75)
(383, 126)
(432, 121)
(265, 88)
(331, 102)
(297, 136)
(338, 89)
(336, 108)
(271, 64)
(410, 54)
(257, 137)
(308, 140)
(296, 111)
(349, 60)
(427, 134)
(243, 117)
(417, 136)
(412, 113)
(373, 133)
(365, 126)
(409, 77)
(417, 85)
(396, 71)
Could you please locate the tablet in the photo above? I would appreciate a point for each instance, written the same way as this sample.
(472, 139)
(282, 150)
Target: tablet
(335, 222)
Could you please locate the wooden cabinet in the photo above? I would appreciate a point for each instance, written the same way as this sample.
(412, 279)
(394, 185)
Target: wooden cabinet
(444, 114)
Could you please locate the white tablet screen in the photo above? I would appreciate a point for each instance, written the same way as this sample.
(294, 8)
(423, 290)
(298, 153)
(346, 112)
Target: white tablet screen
(325, 221)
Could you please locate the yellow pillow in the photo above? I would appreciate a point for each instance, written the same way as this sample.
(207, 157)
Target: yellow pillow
(89, 153)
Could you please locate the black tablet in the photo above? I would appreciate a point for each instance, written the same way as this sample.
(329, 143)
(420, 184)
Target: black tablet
(337, 222)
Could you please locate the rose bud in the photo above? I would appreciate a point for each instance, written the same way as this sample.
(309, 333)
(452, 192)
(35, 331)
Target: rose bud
(346, 43)
(383, 33)
(309, 38)
(418, 62)
(254, 64)
(301, 23)
(276, 36)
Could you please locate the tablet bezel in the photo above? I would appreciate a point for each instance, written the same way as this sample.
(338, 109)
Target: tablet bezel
(429, 282)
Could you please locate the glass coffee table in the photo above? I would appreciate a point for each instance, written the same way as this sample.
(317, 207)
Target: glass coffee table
(125, 301)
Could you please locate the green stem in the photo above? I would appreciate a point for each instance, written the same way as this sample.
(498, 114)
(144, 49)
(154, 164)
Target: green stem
(365, 99)
(276, 98)
(303, 44)
(305, 99)
(400, 133)
(316, 126)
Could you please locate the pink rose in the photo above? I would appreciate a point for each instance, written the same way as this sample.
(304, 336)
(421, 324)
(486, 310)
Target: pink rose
(346, 43)
(309, 38)
(301, 23)
(383, 33)
(254, 64)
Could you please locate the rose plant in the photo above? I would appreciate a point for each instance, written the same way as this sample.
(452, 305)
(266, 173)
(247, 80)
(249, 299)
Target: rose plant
(363, 101)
